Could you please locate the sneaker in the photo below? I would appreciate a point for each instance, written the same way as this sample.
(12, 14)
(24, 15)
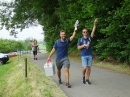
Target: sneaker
(88, 82)
(68, 85)
(36, 58)
(83, 81)
(60, 82)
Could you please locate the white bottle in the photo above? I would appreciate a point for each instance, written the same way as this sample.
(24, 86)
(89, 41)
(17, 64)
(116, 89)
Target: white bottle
(84, 42)
(75, 25)
(88, 43)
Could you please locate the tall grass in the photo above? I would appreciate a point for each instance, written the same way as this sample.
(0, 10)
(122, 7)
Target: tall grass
(14, 84)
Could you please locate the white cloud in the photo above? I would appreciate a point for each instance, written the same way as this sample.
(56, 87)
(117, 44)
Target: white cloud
(33, 32)
(6, 1)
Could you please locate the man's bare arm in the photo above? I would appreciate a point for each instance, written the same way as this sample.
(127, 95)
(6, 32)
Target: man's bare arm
(72, 37)
(51, 53)
(94, 27)
(74, 33)
(31, 43)
(82, 46)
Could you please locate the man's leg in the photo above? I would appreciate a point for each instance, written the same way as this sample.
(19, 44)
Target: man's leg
(89, 64)
(88, 75)
(59, 74)
(66, 64)
(83, 71)
(36, 55)
(84, 66)
(88, 69)
(83, 74)
(67, 75)
(59, 66)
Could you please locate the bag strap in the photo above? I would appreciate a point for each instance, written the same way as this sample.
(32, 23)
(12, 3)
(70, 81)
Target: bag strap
(67, 42)
(57, 43)
(88, 39)
(81, 40)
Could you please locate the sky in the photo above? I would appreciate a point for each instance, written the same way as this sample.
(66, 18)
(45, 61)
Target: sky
(6, 0)
(32, 32)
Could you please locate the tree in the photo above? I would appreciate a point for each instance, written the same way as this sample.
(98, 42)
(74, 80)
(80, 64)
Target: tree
(28, 45)
(111, 39)
(11, 45)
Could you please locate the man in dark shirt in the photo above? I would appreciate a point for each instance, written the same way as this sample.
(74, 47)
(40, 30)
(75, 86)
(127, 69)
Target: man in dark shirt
(84, 44)
(61, 48)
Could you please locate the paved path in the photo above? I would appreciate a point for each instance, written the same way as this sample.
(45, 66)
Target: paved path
(104, 83)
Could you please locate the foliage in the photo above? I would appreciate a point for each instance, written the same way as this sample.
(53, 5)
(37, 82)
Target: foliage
(7, 45)
(27, 44)
(111, 38)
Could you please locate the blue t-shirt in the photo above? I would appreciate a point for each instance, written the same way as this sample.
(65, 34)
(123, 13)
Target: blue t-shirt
(61, 48)
(85, 51)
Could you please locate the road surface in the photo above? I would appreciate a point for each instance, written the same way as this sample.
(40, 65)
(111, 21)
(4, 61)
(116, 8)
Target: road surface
(105, 83)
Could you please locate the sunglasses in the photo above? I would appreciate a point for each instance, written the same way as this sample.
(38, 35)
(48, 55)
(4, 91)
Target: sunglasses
(85, 32)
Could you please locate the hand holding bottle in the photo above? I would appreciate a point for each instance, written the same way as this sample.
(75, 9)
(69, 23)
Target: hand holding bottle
(76, 25)
(88, 44)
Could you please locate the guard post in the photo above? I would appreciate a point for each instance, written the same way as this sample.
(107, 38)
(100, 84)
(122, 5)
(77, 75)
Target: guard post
(25, 67)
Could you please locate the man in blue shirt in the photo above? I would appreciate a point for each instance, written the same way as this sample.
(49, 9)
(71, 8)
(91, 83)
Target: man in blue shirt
(61, 48)
(84, 44)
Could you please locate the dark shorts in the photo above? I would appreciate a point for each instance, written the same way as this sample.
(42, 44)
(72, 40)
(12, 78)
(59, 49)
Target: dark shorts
(34, 52)
(63, 62)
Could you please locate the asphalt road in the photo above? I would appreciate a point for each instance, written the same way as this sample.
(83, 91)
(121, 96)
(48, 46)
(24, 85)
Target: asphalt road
(105, 83)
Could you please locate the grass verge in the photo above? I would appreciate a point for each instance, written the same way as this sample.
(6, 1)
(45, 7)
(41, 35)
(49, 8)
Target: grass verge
(14, 84)
(121, 68)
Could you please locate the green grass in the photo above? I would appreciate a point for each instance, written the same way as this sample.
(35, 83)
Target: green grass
(14, 84)
(121, 68)
(5, 69)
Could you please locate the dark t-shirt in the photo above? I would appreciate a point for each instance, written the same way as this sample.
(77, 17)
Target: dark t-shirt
(34, 48)
(61, 48)
(85, 51)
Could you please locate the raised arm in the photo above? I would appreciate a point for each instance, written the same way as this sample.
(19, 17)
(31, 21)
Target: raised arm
(73, 35)
(94, 27)
(31, 43)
